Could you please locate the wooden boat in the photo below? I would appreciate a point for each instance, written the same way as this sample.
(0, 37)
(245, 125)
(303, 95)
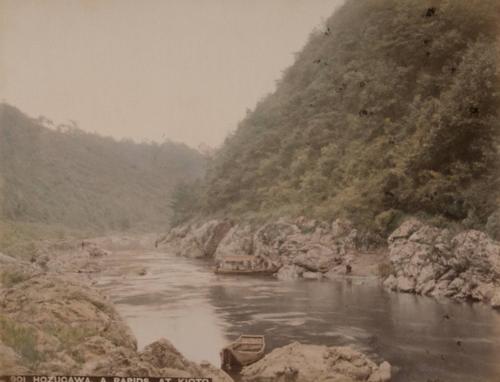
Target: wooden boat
(246, 350)
(222, 271)
(244, 265)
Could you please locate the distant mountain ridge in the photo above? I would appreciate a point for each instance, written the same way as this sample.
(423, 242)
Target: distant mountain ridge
(390, 110)
(84, 180)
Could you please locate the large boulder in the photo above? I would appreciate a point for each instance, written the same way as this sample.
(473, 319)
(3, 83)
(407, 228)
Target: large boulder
(209, 235)
(181, 241)
(50, 324)
(431, 261)
(188, 247)
(315, 363)
(157, 359)
(195, 240)
(53, 303)
(269, 238)
(162, 354)
(58, 322)
(210, 371)
(237, 241)
(477, 252)
(317, 258)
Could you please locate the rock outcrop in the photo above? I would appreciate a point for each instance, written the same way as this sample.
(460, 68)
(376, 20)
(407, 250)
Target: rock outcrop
(314, 363)
(52, 323)
(421, 258)
(237, 242)
(195, 240)
(159, 358)
(432, 261)
(292, 249)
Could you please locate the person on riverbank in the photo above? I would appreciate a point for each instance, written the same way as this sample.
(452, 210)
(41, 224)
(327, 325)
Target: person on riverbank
(348, 263)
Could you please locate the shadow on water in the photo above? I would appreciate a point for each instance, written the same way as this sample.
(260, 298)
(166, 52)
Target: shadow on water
(424, 339)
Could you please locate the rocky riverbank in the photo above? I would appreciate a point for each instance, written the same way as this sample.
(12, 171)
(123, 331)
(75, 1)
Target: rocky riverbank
(310, 363)
(417, 258)
(435, 262)
(53, 321)
(300, 248)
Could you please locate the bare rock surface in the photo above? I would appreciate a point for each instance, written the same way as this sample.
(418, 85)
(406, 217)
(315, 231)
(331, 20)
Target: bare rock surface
(53, 322)
(307, 363)
(289, 273)
(286, 247)
(431, 261)
(238, 241)
(210, 235)
(195, 240)
(422, 259)
(210, 371)
(317, 258)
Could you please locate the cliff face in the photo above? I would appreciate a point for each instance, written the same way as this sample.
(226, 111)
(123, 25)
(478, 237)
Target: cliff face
(390, 109)
(83, 180)
(434, 262)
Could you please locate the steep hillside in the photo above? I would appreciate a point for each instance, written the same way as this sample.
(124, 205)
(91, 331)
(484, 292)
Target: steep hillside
(82, 180)
(390, 109)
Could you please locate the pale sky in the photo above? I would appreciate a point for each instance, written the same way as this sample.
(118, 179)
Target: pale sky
(184, 70)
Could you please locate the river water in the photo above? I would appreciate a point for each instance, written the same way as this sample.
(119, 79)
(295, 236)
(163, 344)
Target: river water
(200, 312)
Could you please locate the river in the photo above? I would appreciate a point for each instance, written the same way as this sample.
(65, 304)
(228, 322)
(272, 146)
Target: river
(199, 312)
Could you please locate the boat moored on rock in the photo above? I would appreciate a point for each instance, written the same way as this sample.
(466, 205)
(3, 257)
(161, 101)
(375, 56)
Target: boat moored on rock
(246, 350)
(240, 265)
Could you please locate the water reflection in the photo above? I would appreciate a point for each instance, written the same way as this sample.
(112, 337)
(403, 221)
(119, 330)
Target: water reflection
(180, 299)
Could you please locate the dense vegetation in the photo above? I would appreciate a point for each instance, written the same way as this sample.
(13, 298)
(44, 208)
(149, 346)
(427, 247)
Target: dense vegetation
(76, 180)
(390, 109)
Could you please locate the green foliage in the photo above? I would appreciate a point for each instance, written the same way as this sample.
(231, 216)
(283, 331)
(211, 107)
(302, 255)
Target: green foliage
(493, 225)
(387, 221)
(19, 239)
(81, 180)
(21, 339)
(394, 109)
(70, 336)
(185, 201)
(9, 278)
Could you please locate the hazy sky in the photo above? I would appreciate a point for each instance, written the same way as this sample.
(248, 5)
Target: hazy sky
(180, 69)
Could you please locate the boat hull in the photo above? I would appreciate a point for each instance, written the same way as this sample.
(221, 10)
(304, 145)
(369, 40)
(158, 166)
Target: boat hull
(243, 272)
(241, 353)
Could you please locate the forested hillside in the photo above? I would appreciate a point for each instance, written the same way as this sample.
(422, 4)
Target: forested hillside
(81, 180)
(390, 109)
